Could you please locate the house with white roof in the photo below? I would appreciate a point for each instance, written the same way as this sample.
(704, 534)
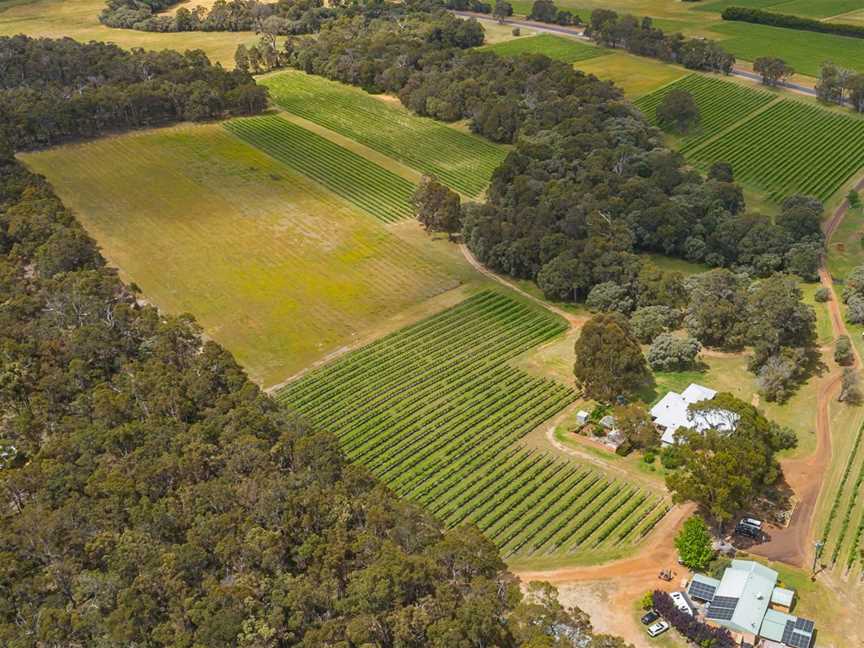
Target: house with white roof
(749, 604)
(672, 413)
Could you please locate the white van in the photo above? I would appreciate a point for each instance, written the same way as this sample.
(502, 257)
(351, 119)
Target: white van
(681, 602)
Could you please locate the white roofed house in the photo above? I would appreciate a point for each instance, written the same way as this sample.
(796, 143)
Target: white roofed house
(672, 413)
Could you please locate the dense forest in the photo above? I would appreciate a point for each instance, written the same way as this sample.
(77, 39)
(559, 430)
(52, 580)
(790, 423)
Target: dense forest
(56, 89)
(153, 496)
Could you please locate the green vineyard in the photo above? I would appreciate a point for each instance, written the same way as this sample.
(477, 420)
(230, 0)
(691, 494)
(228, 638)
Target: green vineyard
(434, 410)
(568, 50)
(378, 191)
(721, 104)
(462, 161)
(791, 147)
(843, 530)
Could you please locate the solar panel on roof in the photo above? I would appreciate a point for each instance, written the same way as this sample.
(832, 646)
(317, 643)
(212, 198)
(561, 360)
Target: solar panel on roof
(702, 591)
(800, 640)
(722, 608)
(792, 635)
(805, 625)
(787, 633)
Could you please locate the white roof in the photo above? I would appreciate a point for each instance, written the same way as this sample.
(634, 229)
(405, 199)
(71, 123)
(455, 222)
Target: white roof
(672, 413)
(782, 596)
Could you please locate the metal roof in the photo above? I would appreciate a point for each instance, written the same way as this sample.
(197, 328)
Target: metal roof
(783, 596)
(750, 585)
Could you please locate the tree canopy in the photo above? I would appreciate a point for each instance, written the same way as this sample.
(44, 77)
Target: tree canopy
(609, 361)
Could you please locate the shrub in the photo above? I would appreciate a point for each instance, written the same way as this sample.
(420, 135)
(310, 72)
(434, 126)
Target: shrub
(843, 351)
(649, 457)
(854, 198)
(822, 295)
(697, 632)
(694, 544)
(647, 601)
(516, 31)
(671, 457)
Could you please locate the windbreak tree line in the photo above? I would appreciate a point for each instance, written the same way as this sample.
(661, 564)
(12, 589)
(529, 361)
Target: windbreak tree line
(57, 89)
(640, 36)
(152, 495)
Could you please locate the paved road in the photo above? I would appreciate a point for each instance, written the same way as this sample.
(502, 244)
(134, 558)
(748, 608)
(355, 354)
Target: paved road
(576, 32)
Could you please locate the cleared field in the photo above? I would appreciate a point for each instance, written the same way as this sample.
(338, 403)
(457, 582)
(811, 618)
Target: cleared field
(818, 8)
(844, 527)
(791, 147)
(275, 267)
(718, 7)
(721, 104)
(561, 48)
(370, 187)
(463, 161)
(434, 411)
(79, 19)
(635, 75)
(805, 51)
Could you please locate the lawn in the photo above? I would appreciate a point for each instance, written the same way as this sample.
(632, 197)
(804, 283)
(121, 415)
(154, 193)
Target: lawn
(805, 51)
(635, 75)
(435, 411)
(561, 48)
(462, 160)
(79, 19)
(496, 33)
(721, 104)
(275, 267)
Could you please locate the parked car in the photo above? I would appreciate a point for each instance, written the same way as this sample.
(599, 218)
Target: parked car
(681, 602)
(657, 629)
(650, 617)
(749, 527)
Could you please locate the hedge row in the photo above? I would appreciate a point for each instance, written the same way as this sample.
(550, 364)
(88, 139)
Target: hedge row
(760, 17)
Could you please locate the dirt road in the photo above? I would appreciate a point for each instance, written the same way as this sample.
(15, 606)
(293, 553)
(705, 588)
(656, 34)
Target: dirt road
(574, 320)
(794, 544)
(608, 592)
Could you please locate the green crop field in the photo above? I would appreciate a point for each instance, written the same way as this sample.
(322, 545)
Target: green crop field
(844, 528)
(374, 189)
(791, 147)
(562, 48)
(721, 104)
(275, 267)
(817, 8)
(434, 410)
(809, 8)
(461, 160)
(804, 51)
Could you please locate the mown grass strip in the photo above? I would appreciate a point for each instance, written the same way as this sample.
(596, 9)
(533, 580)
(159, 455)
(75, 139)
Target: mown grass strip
(561, 48)
(463, 161)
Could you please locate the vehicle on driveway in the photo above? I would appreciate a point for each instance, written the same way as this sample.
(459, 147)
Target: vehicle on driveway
(657, 629)
(650, 617)
(749, 527)
(681, 602)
